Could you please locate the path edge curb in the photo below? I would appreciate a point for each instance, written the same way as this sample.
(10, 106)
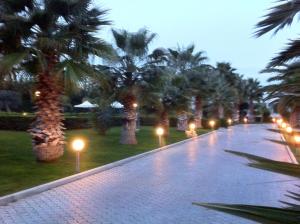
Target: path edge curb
(5, 200)
(291, 154)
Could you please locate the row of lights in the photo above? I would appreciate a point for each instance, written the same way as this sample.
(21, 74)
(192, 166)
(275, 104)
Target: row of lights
(287, 128)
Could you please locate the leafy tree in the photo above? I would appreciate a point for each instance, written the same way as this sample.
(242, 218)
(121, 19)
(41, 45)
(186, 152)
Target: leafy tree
(52, 41)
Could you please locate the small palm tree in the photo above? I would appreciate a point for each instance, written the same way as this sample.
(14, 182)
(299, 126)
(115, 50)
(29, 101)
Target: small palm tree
(52, 41)
(223, 97)
(129, 71)
(253, 92)
(184, 61)
(200, 88)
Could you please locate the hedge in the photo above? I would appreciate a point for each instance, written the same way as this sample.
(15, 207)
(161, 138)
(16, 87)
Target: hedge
(23, 123)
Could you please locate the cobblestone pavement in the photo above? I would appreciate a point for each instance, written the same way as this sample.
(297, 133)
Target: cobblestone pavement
(160, 188)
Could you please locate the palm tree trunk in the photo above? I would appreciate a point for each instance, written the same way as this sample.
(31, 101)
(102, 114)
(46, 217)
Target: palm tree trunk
(128, 136)
(182, 121)
(236, 113)
(251, 111)
(198, 112)
(47, 128)
(165, 122)
(221, 112)
(295, 117)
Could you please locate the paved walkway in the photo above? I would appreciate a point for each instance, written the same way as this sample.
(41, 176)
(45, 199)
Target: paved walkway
(160, 188)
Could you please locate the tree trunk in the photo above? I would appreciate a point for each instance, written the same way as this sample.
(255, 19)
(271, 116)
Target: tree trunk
(182, 122)
(236, 113)
(295, 117)
(47, 128)
(251, 111)
(165, 122)
(221, 112)
(198, 112)
(128, 136)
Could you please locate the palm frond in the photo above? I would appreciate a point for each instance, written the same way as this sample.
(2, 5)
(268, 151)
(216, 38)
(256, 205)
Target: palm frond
(8, 61)
(280, 16)
(269, 165)
(290, 53)
(260, 214)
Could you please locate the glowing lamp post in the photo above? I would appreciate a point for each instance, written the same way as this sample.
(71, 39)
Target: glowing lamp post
(78, 145)
(297, 139)
(283, 125)
(192, 127)
(212, 124)
(135, 105)
(245, 120)
(37, 93)
(160, 132)
(229, 121)
(279, 121)
(273, 119)
(24, 114)
(289, 129)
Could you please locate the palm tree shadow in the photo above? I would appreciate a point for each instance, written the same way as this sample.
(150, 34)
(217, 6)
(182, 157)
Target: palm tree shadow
(273, 130)
(276, 141)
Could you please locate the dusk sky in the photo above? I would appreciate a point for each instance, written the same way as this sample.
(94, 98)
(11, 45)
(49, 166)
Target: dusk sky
(223, 29)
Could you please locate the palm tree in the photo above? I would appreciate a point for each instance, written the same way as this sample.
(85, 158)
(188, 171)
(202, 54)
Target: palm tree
(200, 88)
(235, 83)
(279, 17)
(52, 41)
(129, 71)
(253, 92)
(172, 98)
(285, 93)
(223, 97)
(183, 61)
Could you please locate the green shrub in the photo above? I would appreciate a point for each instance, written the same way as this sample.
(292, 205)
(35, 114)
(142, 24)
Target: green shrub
(102, 120)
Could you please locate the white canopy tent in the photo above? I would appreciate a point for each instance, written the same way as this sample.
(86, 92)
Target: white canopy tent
(117, 105)
(86, 104)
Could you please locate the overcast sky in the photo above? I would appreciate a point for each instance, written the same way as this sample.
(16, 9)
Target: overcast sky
(223, 29)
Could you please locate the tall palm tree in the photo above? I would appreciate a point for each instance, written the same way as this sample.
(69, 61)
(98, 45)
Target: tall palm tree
(52, 41)
(129, 71)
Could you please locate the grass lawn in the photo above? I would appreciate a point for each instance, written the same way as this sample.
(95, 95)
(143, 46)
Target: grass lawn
(294, 148)
(19, 170)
